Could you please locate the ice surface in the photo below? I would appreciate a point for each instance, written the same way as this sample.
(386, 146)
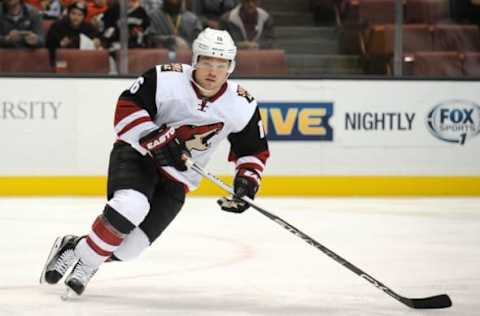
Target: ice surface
(209, 262)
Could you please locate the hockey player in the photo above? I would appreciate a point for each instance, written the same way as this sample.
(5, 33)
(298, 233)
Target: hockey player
(170, 111)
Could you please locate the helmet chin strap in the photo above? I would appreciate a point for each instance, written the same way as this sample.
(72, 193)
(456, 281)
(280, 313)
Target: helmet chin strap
(200, 87)
(207, 91)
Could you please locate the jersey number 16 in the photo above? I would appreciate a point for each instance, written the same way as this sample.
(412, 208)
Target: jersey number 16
(136, 85)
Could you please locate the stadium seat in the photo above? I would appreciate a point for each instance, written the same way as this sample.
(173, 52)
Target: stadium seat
(380, 39)
(142, 59)
(262, 61)
(456, 37)
(437, 64)
(471, 64)
(24, 61)
(427, 11)
(76, 61)
(184, 56)
(249, 62)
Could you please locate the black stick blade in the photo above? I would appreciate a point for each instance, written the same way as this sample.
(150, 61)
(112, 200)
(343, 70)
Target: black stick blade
(439, 301)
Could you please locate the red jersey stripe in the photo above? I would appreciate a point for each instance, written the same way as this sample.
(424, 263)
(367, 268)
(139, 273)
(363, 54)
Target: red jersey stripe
(134, 123)
(252, 166)
(262, 156)
(124, 109)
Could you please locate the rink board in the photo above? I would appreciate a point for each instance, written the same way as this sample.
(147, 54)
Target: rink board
(328, 137)
(271, 186)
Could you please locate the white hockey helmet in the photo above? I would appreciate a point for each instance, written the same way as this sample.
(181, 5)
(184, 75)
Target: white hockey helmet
(214, 43)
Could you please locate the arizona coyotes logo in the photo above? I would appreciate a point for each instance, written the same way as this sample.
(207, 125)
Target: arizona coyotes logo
(197, 137)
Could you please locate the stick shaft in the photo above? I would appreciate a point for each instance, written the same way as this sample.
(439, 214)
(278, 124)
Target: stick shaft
(292, 229)
(295, 231)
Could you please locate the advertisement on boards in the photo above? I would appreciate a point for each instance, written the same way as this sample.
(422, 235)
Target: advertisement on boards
(407, 114)
(56, 126)
(297, 121)
(454, 121)
(36, 125)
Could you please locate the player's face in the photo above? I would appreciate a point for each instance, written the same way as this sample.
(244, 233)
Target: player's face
(11, 3)
(250, 6)
(131, 3)
(76, 17)
(211, 72)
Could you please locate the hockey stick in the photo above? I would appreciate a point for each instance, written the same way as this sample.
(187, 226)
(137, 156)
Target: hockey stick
(438, 301)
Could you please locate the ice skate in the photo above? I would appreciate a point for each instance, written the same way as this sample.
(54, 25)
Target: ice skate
(78, 279)
(60, 259)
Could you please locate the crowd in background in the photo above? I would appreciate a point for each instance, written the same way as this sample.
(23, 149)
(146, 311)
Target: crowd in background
(173, 24)
(94, 24)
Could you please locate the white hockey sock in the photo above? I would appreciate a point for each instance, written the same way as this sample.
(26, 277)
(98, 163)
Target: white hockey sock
(133, 245)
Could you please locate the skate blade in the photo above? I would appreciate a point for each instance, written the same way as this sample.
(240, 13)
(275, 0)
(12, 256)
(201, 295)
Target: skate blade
(55, 246)
(69, 295)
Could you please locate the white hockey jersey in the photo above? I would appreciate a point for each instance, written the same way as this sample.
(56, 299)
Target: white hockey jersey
(166, 96)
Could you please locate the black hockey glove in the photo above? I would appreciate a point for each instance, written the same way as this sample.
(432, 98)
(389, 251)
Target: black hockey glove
(246, 183)
(165, 148)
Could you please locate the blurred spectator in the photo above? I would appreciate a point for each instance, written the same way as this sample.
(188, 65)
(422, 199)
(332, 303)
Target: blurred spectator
(475, 15)
(250, 26)
(69, 31)
(474, 12)
(20, 25)
(173, 27)
(137, 21)
(50, 9)
(324, 11)
(465, 11)
(66, 3)
(95, 10)
(210, 11)
(151, 5)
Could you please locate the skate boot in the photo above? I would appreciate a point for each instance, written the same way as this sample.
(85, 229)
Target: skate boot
(61, 258)
(78, 279)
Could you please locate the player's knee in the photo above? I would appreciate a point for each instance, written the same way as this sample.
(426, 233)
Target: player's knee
(129, 205)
